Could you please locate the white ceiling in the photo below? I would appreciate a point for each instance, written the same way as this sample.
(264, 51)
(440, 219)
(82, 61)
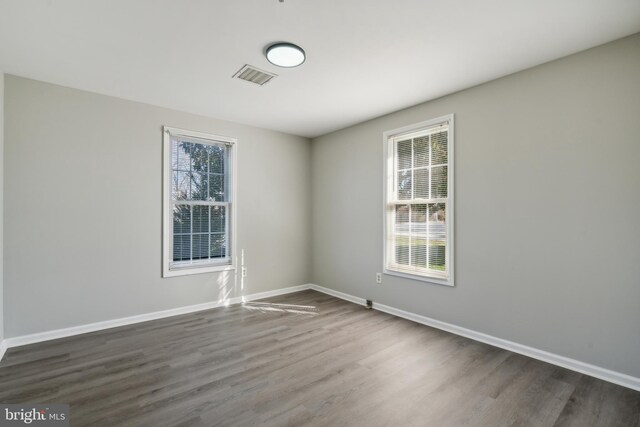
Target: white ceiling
(365, 58)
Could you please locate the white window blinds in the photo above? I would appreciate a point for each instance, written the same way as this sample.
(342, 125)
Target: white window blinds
(419, 202)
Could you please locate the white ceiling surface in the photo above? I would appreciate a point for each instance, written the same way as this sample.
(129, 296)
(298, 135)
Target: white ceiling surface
(365, 58)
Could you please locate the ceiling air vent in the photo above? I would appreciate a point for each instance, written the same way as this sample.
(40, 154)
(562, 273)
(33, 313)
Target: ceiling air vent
(253, 75)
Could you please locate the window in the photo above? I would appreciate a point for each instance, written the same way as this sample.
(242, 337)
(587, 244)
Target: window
(199, 196)
(419, 201)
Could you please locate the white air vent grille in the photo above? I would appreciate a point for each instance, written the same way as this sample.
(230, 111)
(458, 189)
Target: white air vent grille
(253, 75)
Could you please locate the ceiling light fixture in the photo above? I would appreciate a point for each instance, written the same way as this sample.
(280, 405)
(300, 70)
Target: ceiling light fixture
(285, 55)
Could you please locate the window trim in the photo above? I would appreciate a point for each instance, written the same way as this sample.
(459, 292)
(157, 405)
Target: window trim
(167, 213)
(386, 165)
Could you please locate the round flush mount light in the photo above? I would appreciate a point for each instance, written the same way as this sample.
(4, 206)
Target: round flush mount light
(285, 55)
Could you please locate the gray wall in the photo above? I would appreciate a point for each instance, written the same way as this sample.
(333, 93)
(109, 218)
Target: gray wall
(83, 209)
(547, 209)
(1, 204)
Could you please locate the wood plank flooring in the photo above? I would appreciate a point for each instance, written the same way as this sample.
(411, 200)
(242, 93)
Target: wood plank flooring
(302, 359)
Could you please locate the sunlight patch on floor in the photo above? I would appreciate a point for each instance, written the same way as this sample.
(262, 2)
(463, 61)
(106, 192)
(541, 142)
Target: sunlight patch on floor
(267, 307)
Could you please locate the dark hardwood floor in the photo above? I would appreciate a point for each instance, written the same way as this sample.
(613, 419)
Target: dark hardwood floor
(302, 359)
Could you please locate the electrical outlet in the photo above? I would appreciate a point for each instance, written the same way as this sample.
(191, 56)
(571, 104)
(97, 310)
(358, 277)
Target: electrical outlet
(378, 277)
(244, 271)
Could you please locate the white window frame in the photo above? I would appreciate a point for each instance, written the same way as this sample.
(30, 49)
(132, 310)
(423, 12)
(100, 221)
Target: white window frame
(167, 207)
(388, 189)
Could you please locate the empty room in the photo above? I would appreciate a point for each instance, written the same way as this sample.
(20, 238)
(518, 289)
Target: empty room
(320, 213)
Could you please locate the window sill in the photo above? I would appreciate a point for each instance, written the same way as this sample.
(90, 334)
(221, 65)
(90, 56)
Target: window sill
(195, 269)
(429, 279)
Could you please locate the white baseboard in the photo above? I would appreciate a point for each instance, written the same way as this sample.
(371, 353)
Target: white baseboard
(555, 359)
(3, 348)
(274, 293)
(107, 324)
(341, 295)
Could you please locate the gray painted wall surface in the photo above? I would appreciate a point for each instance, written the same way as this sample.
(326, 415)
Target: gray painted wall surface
(1, 205)
(83, 209)
(547, 209)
